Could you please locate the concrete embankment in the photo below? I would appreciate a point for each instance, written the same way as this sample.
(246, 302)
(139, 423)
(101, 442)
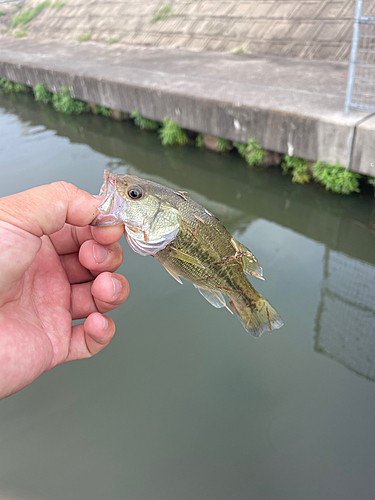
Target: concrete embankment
(290, 106)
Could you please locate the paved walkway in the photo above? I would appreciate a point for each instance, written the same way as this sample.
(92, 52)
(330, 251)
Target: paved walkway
(288, 105)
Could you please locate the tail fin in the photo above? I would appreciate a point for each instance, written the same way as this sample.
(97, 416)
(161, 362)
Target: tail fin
(258, 317)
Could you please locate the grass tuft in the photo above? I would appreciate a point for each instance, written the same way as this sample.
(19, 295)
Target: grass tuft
(101, 110)
(336, 178)
(199, 140)
(113, 39)
(162, 14)
(65, 102)
(2, 13)
(251, 151)
(299, 169)
(85, 37)
(57, 5)
(13, 87)
(41, 93)
(172, 134)
(20, 34)
(144, 123)
(223, 145)
(25, 17)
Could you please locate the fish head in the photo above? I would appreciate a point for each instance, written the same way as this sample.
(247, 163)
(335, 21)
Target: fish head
(150, 221)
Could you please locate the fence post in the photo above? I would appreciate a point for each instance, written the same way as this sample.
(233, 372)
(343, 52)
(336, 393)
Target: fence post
(353, 55)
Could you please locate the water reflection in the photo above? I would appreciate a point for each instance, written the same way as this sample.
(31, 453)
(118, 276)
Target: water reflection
(183, 404)
(345, 323)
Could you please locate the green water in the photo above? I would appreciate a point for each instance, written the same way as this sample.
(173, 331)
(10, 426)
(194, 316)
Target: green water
(184, 404)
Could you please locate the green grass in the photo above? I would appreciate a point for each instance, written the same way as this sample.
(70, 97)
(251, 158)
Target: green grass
(12, 87)
(57, 5)
(251, 151)
(20, 34)
(172, 134)
(238, 51)
(298, 167)
(65, 102)
(223, 145)
(25, 17)
(336, 178)
(144, 123)
(162, 14)
(199, 141)
(41, 93)
(113, 39)
(85, 37)
(101, 110)
(2, 13)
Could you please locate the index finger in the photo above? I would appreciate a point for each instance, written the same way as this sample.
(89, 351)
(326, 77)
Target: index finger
(45, 209)
(70, 238)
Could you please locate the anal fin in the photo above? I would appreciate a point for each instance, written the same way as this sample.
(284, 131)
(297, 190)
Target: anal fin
(215, 298)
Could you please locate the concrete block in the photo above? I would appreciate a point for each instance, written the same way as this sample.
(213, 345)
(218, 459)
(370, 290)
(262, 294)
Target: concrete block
(238, 29)
(306, 10)
(218, 28)
(283, 10)
(330, 30)
(363, 158)
(262, 9)
(196, 43)
(215, 44)
(256, 29)
(327, 51)
(277, 29)
(239, 10)
(303, 31)
(224, 9)
(206, 8)
(332, 10)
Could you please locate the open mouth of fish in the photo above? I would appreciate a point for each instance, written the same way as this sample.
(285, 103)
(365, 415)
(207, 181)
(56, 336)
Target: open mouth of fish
(112, 204)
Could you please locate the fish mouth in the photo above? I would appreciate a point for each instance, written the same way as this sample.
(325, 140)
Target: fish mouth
(112, 203)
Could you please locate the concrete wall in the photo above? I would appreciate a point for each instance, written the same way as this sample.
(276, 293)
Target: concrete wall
(310, 29)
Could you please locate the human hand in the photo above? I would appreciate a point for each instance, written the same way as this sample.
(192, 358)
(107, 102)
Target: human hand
(54, 268)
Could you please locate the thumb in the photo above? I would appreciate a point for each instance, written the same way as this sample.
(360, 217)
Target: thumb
(26, 216)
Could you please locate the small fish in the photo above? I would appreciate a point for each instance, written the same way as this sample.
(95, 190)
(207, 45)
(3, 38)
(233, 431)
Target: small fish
(190, 243)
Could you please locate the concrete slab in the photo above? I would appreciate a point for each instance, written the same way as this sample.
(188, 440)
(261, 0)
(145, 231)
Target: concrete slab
(290, 106)
(363, 159)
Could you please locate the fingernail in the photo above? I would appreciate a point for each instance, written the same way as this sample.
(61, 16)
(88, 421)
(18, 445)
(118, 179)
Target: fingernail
(105, 323)
(100, 253)
(117, 286)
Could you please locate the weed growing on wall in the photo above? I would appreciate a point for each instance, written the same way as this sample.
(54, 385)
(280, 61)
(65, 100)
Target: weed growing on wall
(172, 134)
(25, 17)
(65, 102)
(251, 151)
(41, 93)
(57, 5)
(162, 14)
(85, 37)
(223, 145)
(298, 167)
(101, 110)
(199, 141)
(20, 34)
(336, 178)
(144, 123)
(13, 87)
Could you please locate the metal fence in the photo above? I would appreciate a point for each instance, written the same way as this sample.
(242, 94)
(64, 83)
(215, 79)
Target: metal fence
(360, 92)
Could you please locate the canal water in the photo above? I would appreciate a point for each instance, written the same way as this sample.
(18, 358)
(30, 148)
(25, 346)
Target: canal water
(184, 404)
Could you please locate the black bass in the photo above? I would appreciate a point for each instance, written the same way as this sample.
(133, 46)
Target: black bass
(190, 243)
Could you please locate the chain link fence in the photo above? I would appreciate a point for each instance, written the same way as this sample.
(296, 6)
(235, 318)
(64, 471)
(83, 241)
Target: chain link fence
(361, 77)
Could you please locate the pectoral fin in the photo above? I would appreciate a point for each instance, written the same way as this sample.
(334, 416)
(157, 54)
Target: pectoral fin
(184, 256)
(173, 274)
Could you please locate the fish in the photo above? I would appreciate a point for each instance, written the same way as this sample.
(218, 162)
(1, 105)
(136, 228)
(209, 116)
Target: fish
(190, 242)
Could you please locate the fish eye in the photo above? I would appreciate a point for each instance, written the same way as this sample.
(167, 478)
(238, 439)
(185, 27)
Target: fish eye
(135, 193)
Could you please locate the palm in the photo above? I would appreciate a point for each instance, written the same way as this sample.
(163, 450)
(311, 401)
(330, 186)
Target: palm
(63, 283)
